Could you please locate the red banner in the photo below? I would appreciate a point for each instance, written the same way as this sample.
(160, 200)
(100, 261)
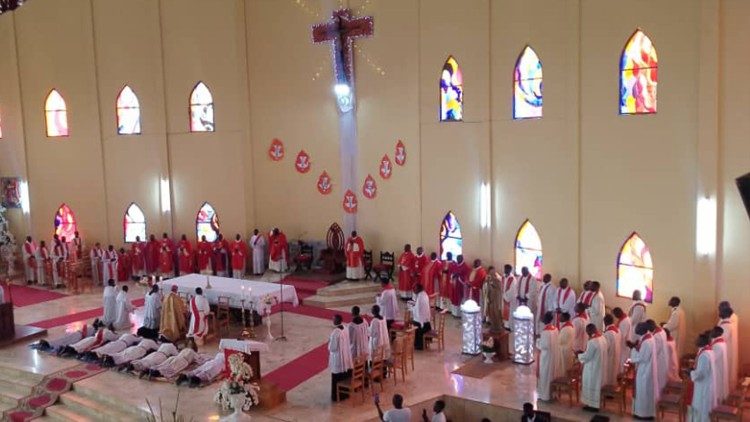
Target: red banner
(324, 183)
(400, 156)
(369, 188)
(386, 168)
(276, 150)
(302, 162)
(350, 202)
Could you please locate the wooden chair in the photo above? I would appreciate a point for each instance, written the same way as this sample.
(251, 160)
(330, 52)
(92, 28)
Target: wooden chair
(367, 263)
(356, 382)
(398, 361)
(333, 256)
(377, 369)
(672, 403)
(614, 392)
(410, 336)
(222, 314)
(437, 334)
(305, 258)
(739, 397)
(725, 412)
(387, 264)
(569, 384)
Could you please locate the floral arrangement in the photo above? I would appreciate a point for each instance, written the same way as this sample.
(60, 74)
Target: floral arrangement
(488, 346)
(7, 243)
(268, 301)
(238, 382)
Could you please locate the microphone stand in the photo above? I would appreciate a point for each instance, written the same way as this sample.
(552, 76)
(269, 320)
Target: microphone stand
(282, 337)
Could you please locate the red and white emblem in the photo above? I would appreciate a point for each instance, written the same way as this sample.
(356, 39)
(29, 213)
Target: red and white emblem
(370, 188)
(350, 202)
(400, 156)
(276, 150)
(302, 163)
(324, 183)
(386, 168)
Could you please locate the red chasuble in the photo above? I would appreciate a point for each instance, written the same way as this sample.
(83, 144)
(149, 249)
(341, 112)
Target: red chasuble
(354, 257)
(461, 276)
(138, 254)
(431, 274)
(166, 262)
(405, 271)
(153, 250)
(185, 261)
(476, 281)
(124, 268)
(420, 261)
(204, 255)
(238, 258)
(278, 247)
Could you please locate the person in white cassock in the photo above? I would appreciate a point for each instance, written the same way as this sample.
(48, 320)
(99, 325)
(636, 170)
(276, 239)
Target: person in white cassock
(545, 301)
(522, 291)
(662, 354)
(199, 309)
(29, 260)
(626, 330)
(358, 332)
(566, 337)
(594, 361)
(58, 259)
(101, 337)
(596, 309)
(704, 382)
(614, 344)
(730, 323)
(115, 346)
(109, 264)
(388, 301)
(124, 307)
(637, 312)
(378, 332)
(109, 299)
(96, 255)
(258, 245)
(580, 321)
(676, 324)
(42, 257)
(720, 364)
(339, 355)
(203, 374)
(176, 364)
(643, 356)
(131, 353)
(550, 357)
(58, 343)
(143, 365)
(565, 300)
(152, 308)
(421, 315)
(674, 362)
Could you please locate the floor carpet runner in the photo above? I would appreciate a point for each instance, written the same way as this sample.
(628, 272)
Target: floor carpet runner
(48, 392)
(25, 296)
(299, 370)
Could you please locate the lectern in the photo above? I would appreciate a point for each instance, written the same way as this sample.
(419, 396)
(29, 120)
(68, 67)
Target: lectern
(7, 325)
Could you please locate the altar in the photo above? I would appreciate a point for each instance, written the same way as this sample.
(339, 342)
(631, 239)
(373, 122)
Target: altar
(254, 293)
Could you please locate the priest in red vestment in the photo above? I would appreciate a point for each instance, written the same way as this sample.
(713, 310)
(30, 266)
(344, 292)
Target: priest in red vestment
(238, 262)
(444, 301)
(204, 256)
(153, 250)
(239, 243)
(405, 272)
(124, 265)
(184, 260)
(278, 251)
(476, 280)
(138, 256)
(507, 281)
(420, 260)
(460, 284)
(220, 256)
(355, 249)
(185, 243)
(430, 276)
(166, 267)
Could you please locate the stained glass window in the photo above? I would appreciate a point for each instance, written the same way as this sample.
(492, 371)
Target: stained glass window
(529, 250)
(134, 223)
(201, 109)
(451, 239)
(451, 92)
(207, 223)
(56, 114)
(65, 222)
(635, 269)
(128, 113)
(527, 85)
(638, 75)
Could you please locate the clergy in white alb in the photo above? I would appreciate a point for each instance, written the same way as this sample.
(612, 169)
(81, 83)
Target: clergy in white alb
(153, 359)
(176, 364)
(339, 355)
(358, 332)
(131, 353)
(545, 301)
(626, 333)
(258, 245)
(388, 302)
(565, 300)
(673, 375)
(57, 343)
(109, 299)
(662, 354)
(704, 383)
(58, 259)
(378, 332)
(550, 357)
(643, 356)
(566, 337)
(596, 309)
(421, 315)
(116, 346)
(720, 364)
(29, 260)
(594, 361)
(109, 264)
(124, 307)
(205, 373)
(101, 337)
(580, 321)
(152, 309)
(637, 312)
(42, 257)
(614, 343)
(676, 324)
(730, 323)
(199, 310)
(95, 256)
(521, 292)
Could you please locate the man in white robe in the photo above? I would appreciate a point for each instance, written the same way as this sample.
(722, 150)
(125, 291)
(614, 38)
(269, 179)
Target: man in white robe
(42, 257)
(674, 361)
(199, 310)
(95, 255)
(594, 367)
(101, 337)
(614, 343)
(29, 260)
(152, 309)
(580, 321)
(676, 324)
(358, 332)
(176, 364)
(124, 307)
(109, 299)
(566, 338)
(545, 301)
(388, 301)
(720, 364)
(643, 355)
(109, 264)
(378, 332)
(596, 309)
(131, 353)
(58, 262)
(626, 333)
(340, 361)
(203, 374)
(550, 357)
(522, 291)
(730, 323)
(662, 354)
(704, 383)
(143, 365)
(565, 300)
(637, 312)
(421, 315)
(58, 343)
(258, 245)
(115, 346)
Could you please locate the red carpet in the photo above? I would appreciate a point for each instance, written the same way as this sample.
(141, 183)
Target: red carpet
(304, 285)
(25, 296)
(79, 316)
(301, 369)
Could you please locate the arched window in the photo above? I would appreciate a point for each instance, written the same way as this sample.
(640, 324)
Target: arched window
(529, 250)
(527, 85)
(451, 92)
(201, 109)
(56, 114)
(128, 113)
(451, 239)
(638, 75)
(134, 223)
(65, 222)
(635, 269)
(207, 223)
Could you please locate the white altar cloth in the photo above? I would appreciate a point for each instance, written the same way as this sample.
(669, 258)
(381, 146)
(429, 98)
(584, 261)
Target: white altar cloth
(253, 293)
(244, 346)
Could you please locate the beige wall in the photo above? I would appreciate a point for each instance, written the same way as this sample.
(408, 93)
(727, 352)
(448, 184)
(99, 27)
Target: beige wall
(585, 176)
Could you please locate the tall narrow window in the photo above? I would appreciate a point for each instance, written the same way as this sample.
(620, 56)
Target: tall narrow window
(635, 269)
(451, 92)
(134, 223)
(451, 239)
(128, 113)
(527, 85)
(638, 75)
(201, 109)
(207, 223)
(56, 114)
(529, 250)
(65, 222)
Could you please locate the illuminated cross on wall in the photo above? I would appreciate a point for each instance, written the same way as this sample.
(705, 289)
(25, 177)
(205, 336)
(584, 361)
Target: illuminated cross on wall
(341, 31)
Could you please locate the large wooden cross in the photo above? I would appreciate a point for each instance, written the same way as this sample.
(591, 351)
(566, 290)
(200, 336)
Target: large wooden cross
(341, 31)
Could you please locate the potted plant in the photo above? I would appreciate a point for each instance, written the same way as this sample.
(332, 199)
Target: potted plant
(488, 349)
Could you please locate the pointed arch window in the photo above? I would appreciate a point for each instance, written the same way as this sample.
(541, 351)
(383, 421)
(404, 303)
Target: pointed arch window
(527, 85)
(638, 75)
(207, 223)
(451, 239)
(56, 115)
(65, 222)
(128, 112)
(201, 109)
(451, 92)
(529, 250)
(134, 223)
(635, 269)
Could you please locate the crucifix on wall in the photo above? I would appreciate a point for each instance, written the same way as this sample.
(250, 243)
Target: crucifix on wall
(340, 31)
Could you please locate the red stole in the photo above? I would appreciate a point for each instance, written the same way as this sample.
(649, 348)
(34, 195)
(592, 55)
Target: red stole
(543, 309)
(526, 289)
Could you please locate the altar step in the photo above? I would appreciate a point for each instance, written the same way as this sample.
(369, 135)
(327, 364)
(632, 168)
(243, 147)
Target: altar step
(85, 404)
(345, 293)
(15, 384)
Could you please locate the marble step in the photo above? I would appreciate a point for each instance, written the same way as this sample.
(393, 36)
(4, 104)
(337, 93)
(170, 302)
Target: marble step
(360, 299)
(10, 392)
(95, 410)
(63, 413)
(19, 376)
(5, 406)
(111, 402)
(348, 288)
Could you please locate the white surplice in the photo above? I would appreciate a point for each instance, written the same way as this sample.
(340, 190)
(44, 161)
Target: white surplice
(565, 299)
(358, 340)
(662, 358)
(210, 369)
(379, 337)
(594, 366)
(109, 297)
(566, 337)
(596, 311)
(421, 311)
(626, 331)
(134, 352)
(545, 302)
(614, 342)
(550, 360)
(579, 340)
(258, 245)
(176, 364)
(152, 311)
(720, 369)
(676, 326)
(732, 326)
(153, 359)
(124, 307)
(674, 362)
(116, 346)
(339, 352)
(99, 338)
(199, 309)
(388, 303)
(646, 385)
(637, 314)
(704, 388)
